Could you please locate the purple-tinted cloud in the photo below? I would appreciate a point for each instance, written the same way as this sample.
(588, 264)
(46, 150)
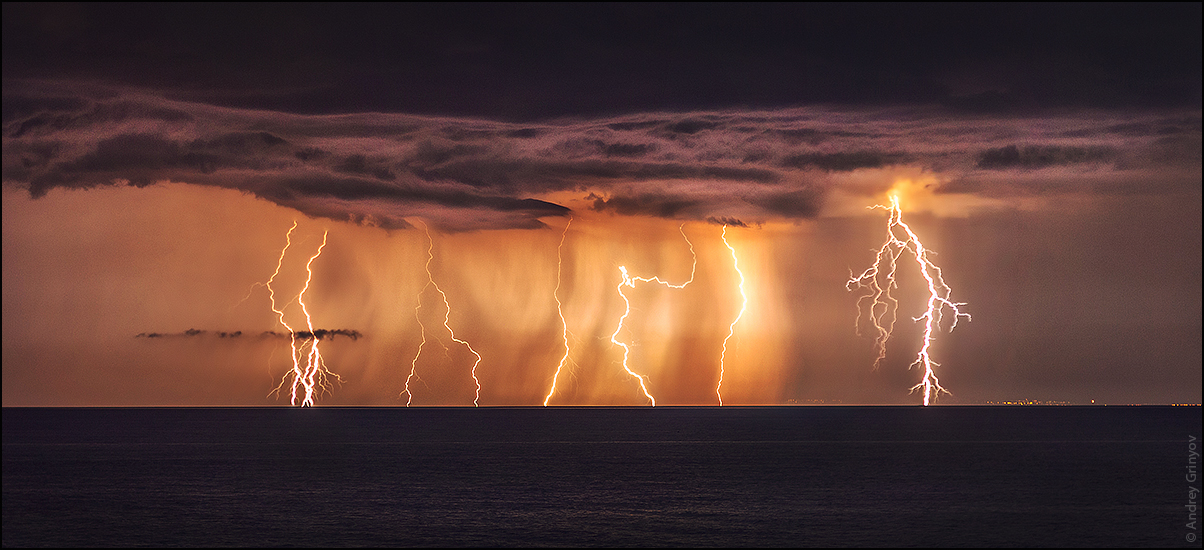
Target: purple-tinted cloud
(464, 174)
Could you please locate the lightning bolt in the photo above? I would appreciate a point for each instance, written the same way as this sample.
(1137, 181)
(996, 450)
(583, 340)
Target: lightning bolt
(564, 333)
(732, 328)
(430, 282)
(630, 281)
(414, 364)
(314, 375)
(883, 304)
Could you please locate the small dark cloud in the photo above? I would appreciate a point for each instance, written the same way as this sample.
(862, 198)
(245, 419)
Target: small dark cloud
(20, 106)
(1035, 157)
(795, 136)
(356, 188)
(645, 204)
(545, 174)
(101, 113)
(628, 149)
(724, 220)
(429, 154)
(756, 175)
(240, 143)
(359, 164)
(323, 334)
(30, 158)
(309, 154)
(143, 157)
(1177, 150)
(844, 162)
(802, 203)
(525, 133)
(691, 126)
(320, 334)
(459, 133)
(813, 136)
(635, 125)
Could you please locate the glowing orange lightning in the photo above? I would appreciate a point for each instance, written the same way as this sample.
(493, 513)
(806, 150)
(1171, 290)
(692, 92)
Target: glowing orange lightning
(883, 303)
(630, 281)
(314, 376)
(731, 329)
(430, 281)
(564, 333)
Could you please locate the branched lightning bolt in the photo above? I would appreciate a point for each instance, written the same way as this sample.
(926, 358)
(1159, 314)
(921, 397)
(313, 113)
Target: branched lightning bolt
(314, 375)
(430, 282)
(732, 328)
(564, 332)
(883, 303)
(630, 282)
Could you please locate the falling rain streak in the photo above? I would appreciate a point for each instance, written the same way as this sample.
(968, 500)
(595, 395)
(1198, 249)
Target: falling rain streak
(430, 282)
(308, 378)
(630, 281)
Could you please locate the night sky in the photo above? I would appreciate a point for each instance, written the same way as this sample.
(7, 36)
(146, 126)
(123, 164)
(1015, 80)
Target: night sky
(156, 156)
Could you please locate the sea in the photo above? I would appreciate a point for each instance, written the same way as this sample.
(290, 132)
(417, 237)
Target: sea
(797, 476)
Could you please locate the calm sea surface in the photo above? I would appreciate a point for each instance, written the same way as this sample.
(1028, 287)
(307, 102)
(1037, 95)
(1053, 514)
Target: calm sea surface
(764, 476)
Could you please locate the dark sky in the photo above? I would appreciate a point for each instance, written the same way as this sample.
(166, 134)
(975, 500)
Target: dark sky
(530, 61)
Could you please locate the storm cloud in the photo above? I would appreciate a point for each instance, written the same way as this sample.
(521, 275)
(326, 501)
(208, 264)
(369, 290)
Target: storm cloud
(469, 173)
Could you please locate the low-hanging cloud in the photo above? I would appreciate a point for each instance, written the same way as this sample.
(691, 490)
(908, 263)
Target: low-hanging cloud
(465, 174)
(320, 334)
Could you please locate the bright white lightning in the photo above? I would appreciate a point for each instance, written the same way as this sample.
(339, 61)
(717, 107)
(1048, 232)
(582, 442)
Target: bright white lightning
(313, 376)
(630, 282)
(564, 326)
(430, 282)
(883, 303)
(732, 328)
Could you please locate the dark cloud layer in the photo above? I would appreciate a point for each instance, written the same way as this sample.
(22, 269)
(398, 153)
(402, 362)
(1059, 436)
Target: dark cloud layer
(1042, 157)
(844, 161)
(466, 173)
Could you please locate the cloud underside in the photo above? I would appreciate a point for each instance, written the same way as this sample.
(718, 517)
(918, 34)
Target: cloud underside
(465, 174)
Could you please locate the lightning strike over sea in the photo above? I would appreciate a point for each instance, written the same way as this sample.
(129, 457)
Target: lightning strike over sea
(314, 375)
(564, 326)
(732, 328)
(879, 278)
(430, 256)
(630, 282)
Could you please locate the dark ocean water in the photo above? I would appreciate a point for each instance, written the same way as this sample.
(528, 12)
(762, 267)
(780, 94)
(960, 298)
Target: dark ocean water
(765, 476)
